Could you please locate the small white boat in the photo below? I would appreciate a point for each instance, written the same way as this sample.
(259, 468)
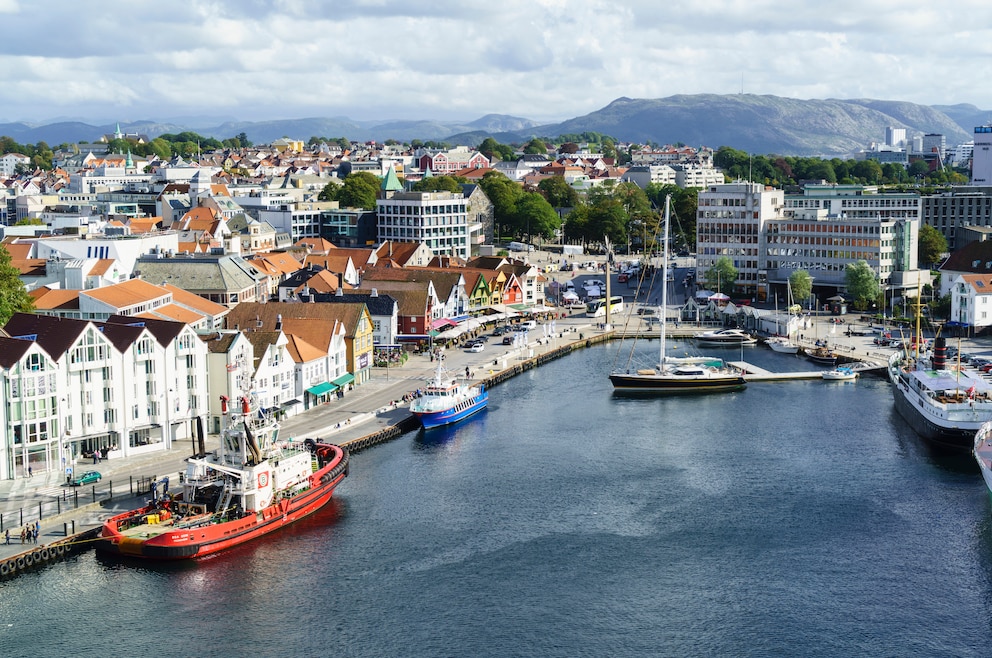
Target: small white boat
(840, 374)
(782, 345)
(725, 338)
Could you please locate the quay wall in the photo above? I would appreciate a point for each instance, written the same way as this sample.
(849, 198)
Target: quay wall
(409, 422)
(38, 556)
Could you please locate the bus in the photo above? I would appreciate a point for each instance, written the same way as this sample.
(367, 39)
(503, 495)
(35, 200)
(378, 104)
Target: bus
(597, 308)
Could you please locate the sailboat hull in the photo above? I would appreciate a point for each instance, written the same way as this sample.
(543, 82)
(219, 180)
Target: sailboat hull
(673, 384)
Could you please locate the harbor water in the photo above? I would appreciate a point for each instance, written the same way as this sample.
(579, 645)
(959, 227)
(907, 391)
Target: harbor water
(798, 518)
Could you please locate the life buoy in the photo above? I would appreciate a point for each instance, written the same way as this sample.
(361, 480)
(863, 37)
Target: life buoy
(5, 569)
(46, 555)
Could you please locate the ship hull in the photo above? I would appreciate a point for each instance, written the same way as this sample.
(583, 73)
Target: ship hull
(657, 384)
(458, 412)
(956, 438)
(210, 538)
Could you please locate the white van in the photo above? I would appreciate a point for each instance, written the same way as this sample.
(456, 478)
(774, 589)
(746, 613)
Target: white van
(520, 246)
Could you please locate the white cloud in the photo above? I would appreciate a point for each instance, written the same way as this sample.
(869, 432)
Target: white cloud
(542, 59)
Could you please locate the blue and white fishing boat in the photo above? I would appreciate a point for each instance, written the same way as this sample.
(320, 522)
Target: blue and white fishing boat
(445, 401)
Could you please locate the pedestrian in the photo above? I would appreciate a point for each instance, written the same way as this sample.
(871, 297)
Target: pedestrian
(24, 533)
(94, 455)
(34, 535)
(467, 374)
(37, 528)
(30, 472)
(6, 537)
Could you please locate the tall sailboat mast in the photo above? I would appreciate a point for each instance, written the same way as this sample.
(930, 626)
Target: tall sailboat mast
(662, 312)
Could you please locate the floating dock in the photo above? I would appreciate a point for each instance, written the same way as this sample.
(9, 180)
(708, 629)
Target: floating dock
(753, 373)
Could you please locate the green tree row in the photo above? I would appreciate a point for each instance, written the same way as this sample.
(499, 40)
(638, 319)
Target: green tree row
(780, 171)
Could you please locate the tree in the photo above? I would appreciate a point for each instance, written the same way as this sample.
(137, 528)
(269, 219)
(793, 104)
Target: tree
(495, 151)
(330, 192)
(568, 147)
(438, 184)
(932, 245)
(504, 194)
(862, 284)
(558, 193)
(722, 277)
(13, 295)
(359, 190)
(577, 225)
(536, 146)
(801, 284)
(536, 215)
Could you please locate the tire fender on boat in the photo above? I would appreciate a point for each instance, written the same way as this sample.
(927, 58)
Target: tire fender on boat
(36, 554)
(60, 549)
(20, 562)
(46, 555)
(28, 559)
(6, 568)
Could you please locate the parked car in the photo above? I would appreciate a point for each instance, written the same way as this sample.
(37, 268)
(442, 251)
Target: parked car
(500, 330)
(89, 477)
(477, 347)
(508, 340)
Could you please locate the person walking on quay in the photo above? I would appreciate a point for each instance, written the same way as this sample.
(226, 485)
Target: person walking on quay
(37, 530)
(30, 472)
(6, 537)
(24, 533)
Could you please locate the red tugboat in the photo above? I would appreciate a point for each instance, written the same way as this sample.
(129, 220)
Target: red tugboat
(252, 485)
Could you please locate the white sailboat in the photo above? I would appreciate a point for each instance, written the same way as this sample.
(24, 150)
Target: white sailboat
(783, 344)
(677, 376)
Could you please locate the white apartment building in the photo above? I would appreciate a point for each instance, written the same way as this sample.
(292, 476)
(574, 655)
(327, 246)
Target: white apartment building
(127, 387)
(730, 221)
(9, 162)
(971, 300)
(438, 220)
(694, 175)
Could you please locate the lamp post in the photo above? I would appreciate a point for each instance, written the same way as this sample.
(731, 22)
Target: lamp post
(64, 464)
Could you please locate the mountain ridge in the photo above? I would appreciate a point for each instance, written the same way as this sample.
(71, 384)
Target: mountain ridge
(755, 123)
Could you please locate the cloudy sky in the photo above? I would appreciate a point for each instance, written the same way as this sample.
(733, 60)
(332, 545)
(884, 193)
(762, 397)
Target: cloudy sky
(106, 60)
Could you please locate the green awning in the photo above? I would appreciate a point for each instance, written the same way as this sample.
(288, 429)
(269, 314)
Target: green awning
(321, 389)
(519, 307)
(346, 378)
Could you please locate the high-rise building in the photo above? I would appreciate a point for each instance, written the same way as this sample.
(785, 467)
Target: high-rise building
(935, 143)
(895, 137)
(981, 161)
